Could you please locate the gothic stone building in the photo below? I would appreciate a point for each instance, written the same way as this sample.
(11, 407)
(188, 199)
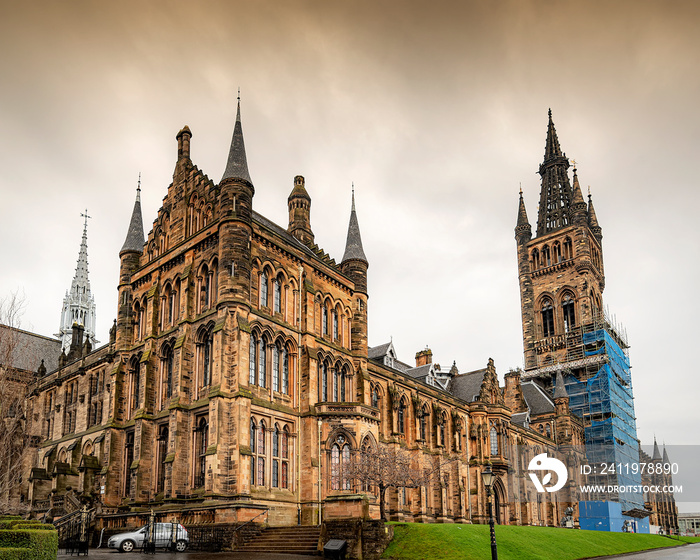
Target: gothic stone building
(238, 377)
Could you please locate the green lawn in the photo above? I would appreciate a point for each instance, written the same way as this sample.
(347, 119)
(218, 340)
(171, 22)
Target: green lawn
(418, 541)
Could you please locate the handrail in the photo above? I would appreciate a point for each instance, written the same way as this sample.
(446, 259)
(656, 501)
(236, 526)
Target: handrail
(251, 520)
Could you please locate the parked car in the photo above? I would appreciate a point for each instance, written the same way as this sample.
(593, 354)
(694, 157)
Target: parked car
(164, 533)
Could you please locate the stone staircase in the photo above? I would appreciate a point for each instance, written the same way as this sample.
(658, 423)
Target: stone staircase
(288, 540)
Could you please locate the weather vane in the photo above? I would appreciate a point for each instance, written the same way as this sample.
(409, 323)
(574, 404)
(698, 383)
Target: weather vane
(85, 216)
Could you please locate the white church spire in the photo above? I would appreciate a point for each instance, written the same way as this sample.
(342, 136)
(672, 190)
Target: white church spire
(78, 304)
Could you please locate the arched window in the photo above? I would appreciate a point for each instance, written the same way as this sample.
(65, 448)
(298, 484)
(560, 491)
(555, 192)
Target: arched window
(277, 296)
(568, 310)
(400, 417)
(568, 249)
(343, 384)
(546, 256)
(260, 449)
(285, 370)
(375, 397)
(345, 483)
(535, 259)
(336, 384)
(275, 368)
(335, 325)
(205, 356)
(253, 441)
(275, 456)
(547, 311)
(161, 455)
(423, 424)
(135, 381)
(201, 444)
(323, 371)
(324, 320)
(335, 467)
(284, 455)
(262, 362)
(556, 248)
(443, 422)
(493, 438)
(263, 290)
(252, 359)
(167, 366)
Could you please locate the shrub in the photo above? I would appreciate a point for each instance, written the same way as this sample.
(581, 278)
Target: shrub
(16, 554)
(43, 544)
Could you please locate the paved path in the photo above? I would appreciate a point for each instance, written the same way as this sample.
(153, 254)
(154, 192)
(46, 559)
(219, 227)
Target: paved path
(105, 554)
(690, 552)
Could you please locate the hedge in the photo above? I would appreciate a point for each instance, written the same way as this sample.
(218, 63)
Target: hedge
(43, 544)
(16, 554)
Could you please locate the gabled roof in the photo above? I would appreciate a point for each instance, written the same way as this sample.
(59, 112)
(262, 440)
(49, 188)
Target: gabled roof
(419, 372)
(28, 349)
(468, 385)
(537, 400)
(378, 351)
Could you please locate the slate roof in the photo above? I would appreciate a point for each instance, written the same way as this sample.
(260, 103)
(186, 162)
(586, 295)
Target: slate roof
(467, 385)
(537, 400)
(378, 351)
(420, 372)
(29, 349)
(519, 418)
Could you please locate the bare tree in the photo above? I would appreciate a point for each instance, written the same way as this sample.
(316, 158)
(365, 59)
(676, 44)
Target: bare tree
(13, 384)
(387, 467)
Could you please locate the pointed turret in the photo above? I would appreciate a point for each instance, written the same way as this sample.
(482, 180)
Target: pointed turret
(560, 389)
(593, 220)
(78, 303)
(237, 163)
(657, 454)
(523, 230)
(134, 237)
(666, 461)
(555, 195)
(578, 205)
(299, 204)
(353, 244)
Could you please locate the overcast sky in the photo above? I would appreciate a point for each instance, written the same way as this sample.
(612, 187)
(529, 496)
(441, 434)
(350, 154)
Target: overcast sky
(437, 111)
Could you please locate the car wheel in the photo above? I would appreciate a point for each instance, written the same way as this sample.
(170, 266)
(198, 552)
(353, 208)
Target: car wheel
(180, 546)
(127, 546)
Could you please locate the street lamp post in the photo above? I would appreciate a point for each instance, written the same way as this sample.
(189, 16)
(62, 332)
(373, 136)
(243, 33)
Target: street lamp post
(488, 476)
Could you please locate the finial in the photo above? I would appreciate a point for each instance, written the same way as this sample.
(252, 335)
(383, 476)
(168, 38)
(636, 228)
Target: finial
(521, 188)
(353, 197)
(138, 187)
(86, 218)
(573, 162)
(589, 191)
(239, 94)
(550, 112)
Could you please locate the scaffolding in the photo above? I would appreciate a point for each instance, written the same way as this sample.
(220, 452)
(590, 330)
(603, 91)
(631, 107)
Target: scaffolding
(598, 382)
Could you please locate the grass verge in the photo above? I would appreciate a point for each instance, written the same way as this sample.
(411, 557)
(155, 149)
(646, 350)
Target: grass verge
(419, 541)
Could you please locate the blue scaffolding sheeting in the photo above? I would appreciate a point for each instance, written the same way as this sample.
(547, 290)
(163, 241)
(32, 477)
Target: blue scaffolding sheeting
(604, 400)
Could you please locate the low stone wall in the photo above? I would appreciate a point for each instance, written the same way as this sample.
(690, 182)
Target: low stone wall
(366, 538)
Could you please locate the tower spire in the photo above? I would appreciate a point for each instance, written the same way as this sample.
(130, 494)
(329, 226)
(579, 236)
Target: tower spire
(657, 454)
(593, 219)
(134, 236)
(237, 163)
(555, 195)
(78, 303)
(353, 244)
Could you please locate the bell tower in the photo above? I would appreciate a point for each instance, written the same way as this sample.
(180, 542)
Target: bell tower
(560, 270)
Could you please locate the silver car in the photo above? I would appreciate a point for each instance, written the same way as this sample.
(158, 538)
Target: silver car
(165, 535)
